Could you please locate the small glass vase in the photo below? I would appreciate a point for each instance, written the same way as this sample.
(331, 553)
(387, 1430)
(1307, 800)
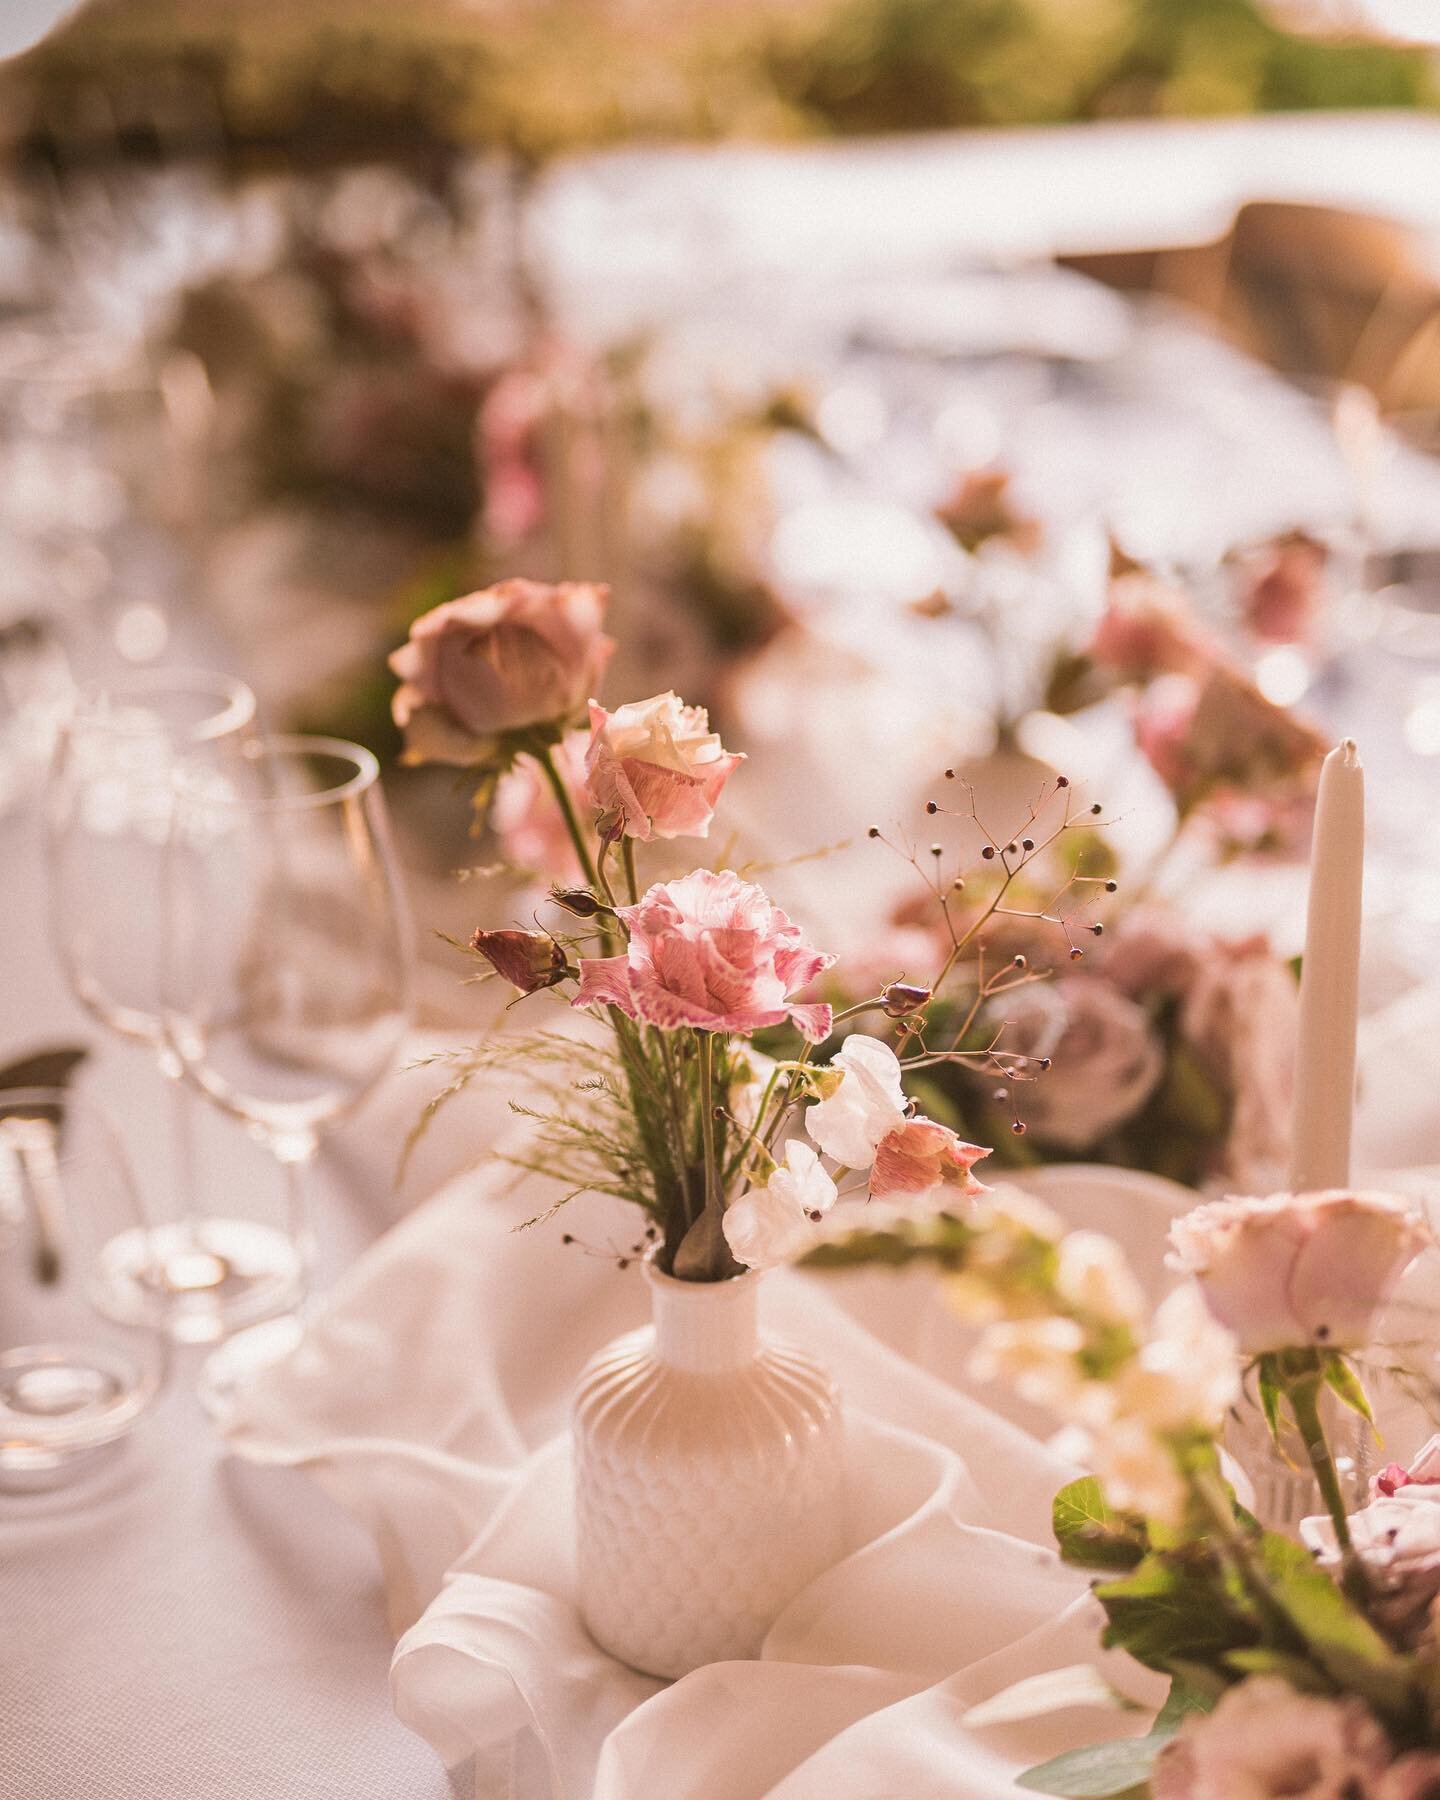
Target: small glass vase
(708, 1467)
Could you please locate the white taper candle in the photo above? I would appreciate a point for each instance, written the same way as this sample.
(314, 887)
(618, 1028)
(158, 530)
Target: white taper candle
(1330, 979)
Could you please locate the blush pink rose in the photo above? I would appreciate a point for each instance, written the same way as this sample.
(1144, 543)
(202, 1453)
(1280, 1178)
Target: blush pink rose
(1298, 1269)
(922, 1160)
(518, 654)
(1282, 588)
(655, 768)
(711, 952)
(1266, 1741)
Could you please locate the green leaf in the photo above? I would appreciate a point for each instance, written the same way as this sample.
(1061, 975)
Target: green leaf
(1271, 1394)
(1090, 1533)
(1293, 1670)
(1339, 1638)
(1081, 1684)
(1168, 1612)
(1185, 1698)
(1098, 1772)
(1345, 1383)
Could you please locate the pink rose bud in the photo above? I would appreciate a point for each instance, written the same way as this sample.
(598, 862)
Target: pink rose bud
(528, 960)
(578, 900)
(512, 656)
(900, 998)
(1391, 1478)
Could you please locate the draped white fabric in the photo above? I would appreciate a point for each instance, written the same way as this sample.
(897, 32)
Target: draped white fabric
(430, 1400)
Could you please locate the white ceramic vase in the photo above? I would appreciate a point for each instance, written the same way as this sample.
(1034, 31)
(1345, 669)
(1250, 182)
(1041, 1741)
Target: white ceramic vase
(708, 1467)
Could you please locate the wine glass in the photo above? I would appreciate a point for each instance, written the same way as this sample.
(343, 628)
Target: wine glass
(287, 961)
(108, 813)
(72, 1381)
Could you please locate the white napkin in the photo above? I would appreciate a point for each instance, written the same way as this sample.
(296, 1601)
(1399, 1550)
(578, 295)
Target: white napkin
(430, 1400)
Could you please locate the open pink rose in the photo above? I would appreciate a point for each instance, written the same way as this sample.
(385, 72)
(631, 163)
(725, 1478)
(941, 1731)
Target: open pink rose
(923, 1160)
(518, 654)
(1282, 587)
(711, 952)
(655, 768)
(1298, 1269)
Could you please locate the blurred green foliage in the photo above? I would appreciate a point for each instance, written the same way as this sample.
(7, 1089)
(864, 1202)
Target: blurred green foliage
(337, 77)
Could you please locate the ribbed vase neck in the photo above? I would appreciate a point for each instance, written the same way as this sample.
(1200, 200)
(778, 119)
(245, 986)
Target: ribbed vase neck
(704, 1327)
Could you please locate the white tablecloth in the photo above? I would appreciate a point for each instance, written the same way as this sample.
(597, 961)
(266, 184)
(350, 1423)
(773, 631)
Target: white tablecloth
(182, 1626)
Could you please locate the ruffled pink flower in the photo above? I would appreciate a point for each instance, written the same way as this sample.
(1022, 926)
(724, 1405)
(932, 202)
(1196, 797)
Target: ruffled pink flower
(517, 654)
(711, 952)
(655, 768)
(920, 1159)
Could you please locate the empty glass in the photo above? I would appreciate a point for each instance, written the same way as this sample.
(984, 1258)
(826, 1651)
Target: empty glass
(108, 814)
(287, 958)
(72, 1380)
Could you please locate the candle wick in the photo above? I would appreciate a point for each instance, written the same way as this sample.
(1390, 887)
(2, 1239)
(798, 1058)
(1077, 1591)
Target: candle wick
(1349, 750)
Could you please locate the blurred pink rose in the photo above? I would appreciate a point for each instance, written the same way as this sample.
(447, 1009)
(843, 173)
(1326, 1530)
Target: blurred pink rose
(1298, 1269)
(1164, 718)
(1241, 1016)
(923, 1160)
(1282, 588)
(518, 654)
(1266, 1741)
(1413, 1777)
(1148, 629)
(1106, 1060)
(1153, 954)
(711, 952)
(526, 819)
(656, 768)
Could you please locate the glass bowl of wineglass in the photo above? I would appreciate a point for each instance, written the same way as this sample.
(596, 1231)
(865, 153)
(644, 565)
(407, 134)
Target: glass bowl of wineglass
(287, 960)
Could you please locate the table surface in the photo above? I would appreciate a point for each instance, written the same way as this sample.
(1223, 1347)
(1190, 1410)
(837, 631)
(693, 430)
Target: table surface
(182, 1626)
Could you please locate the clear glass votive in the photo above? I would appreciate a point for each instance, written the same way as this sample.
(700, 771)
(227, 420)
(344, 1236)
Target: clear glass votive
(73, 1382)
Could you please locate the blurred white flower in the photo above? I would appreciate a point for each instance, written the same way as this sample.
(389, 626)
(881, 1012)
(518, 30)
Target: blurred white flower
(1187, 1373)
(1094, 1277)
(1039, 1358)
(1137, 1470)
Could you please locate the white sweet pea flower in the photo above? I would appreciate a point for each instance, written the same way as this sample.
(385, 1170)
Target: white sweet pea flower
(865, 1108)
(774, 1223)
(1094, 1276)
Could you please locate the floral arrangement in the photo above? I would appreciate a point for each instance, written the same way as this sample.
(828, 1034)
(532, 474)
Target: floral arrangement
(1171, 1046)
(673, 1106)
(1304, 1666)
(1239, 767)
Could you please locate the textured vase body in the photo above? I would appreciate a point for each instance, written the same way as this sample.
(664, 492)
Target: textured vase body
(708, 1479)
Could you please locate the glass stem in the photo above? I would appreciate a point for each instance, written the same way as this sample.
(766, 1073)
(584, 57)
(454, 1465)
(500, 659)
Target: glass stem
(294, 1157)
(188, 1214)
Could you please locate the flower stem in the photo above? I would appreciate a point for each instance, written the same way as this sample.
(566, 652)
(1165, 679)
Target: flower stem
(546, 759)
(707, 1115)
(1304, 1398)
(632, 881)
